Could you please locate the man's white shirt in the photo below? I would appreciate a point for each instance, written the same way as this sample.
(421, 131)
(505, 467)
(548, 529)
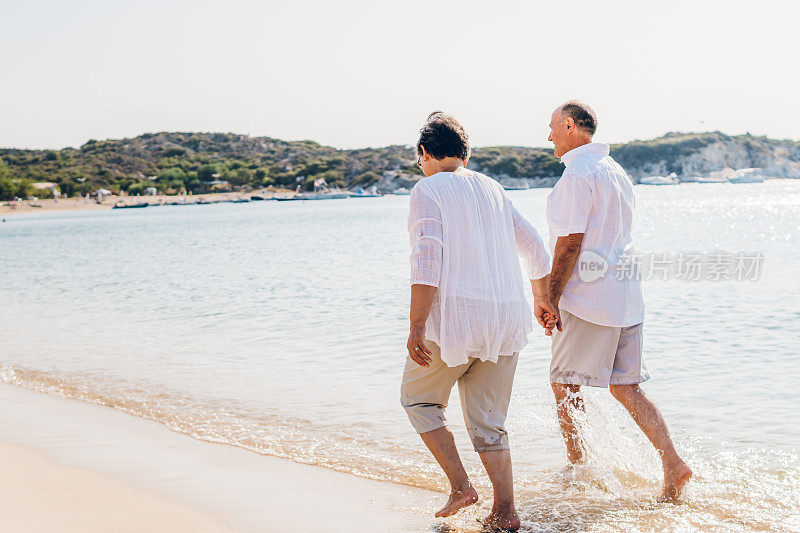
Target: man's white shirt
(595, 197)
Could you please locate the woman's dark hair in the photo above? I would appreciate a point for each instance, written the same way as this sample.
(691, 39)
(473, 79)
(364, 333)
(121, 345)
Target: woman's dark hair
(442, 136)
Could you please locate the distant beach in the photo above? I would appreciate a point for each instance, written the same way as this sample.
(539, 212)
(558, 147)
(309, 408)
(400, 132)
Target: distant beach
(85, 203)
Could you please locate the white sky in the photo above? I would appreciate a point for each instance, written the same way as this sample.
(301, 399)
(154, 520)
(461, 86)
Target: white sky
(366, 73)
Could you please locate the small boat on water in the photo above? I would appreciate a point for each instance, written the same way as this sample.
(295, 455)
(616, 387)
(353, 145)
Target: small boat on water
(257, 198)
(712, 179)
(515, 184)
(729, 175)
(122, 205)
(672, 179)
(239, 200)
(326, 196)
(747, 179)
(372, 192)
(312, 196)
(747, 175)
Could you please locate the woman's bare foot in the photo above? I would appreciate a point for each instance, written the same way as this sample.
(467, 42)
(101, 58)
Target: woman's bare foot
(675, 478)
(458, 500)
(504, 519)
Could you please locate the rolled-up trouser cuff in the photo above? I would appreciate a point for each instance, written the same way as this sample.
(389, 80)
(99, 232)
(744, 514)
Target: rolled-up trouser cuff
(629, 380)
(426, 417)
(571, 378)
(493, 448)
(488, 438)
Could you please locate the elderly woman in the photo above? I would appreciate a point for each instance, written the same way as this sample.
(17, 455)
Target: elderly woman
(469, 315)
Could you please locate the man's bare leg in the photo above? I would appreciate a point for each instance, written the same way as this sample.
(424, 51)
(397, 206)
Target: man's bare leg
(651, 422)
(443, 447)
(568, 399)
(498, 466)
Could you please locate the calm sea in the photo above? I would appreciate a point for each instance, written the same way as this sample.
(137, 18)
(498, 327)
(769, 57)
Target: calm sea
(280, 327)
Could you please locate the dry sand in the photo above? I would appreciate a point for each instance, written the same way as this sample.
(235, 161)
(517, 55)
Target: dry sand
(67, 465)
(39, 495)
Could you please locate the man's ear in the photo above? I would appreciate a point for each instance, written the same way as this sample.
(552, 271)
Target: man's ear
(569, 122)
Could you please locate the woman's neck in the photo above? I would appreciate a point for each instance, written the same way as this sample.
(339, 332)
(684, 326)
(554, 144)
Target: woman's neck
(448, 164)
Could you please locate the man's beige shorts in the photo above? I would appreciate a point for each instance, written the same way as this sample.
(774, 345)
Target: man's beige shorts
(484, 388)
(590, 354)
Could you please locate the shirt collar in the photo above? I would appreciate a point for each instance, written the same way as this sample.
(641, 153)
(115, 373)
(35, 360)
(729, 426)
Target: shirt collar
(600, 149)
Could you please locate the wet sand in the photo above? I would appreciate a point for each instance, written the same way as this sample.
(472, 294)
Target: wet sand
(65, 463)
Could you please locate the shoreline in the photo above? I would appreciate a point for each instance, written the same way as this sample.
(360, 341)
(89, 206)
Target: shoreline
(81, 204)
(164, 478)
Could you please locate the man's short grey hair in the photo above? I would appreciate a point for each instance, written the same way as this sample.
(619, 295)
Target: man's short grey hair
(583, 115)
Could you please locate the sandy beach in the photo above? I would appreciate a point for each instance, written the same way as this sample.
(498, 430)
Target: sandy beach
(73, 466)
(39, 495)
(72, 204)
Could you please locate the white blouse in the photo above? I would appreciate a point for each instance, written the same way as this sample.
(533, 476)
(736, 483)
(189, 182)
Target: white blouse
(465, 237)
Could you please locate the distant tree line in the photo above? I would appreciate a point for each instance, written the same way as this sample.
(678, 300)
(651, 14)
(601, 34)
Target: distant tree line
(175, 162)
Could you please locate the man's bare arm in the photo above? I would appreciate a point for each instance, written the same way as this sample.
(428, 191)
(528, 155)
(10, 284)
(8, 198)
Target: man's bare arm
(565, 256)
(421, 301)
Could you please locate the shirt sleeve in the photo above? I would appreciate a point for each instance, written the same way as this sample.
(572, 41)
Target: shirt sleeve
(425, 238)
(569, 205)
(530, 246)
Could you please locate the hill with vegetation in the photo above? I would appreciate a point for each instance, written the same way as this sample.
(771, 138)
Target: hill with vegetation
(699, 154)
(176, 162)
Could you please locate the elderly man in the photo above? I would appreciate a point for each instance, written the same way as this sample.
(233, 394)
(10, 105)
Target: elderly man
(598, 341)
(469, 316)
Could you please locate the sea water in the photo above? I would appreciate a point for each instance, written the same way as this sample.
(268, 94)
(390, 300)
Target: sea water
(280, 327)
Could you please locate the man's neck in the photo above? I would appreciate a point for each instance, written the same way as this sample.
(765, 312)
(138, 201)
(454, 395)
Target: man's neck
(578, 142)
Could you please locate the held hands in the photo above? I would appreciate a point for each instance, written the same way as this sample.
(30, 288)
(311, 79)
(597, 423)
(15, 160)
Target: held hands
(416, 346)
(547, 315)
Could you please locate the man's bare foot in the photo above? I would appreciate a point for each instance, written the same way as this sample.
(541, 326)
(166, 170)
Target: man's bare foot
(458, 500)
(505, 519)
(675, 478)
